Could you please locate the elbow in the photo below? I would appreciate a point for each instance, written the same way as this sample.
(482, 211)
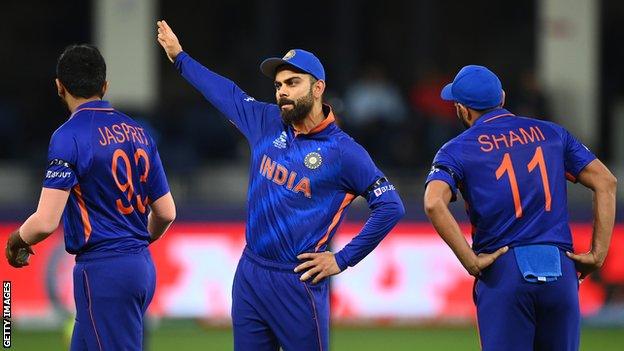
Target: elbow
(432, 205)
(612, 181)
(608, 184)
(48, 227)
(170, 216)
(167, 216)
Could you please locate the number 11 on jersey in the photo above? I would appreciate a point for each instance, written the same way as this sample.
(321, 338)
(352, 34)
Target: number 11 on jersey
(506, 166)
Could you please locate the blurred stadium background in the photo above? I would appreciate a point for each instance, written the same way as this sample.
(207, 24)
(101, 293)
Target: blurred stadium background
(386, 62)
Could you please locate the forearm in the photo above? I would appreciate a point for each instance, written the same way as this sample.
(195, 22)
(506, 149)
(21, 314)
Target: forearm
(604, 219)
(381, 221)
(36, 229)
(214, 87)
(449, 230)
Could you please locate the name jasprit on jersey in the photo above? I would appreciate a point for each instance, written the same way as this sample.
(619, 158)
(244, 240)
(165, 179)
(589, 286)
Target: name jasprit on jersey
(121, 133)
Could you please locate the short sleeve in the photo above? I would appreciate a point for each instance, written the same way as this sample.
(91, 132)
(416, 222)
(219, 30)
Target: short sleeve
(358, 172)
(576, 155)
(157, 180)
(61, 171)
(446, 168)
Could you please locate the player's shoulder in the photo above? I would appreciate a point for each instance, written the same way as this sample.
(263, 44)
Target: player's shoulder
(347, 144)
(545, 126)
(455, 144)
(69, 128)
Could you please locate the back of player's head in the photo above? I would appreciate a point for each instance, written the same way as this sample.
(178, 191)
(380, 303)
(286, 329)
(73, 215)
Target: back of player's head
(82, 70)
(476, 87)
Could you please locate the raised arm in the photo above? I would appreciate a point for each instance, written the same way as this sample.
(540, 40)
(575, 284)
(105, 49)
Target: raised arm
(247, 114)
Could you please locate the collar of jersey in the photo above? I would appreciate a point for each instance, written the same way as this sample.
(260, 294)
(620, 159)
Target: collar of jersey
(95, 105)
(493, 115)
(329, 119)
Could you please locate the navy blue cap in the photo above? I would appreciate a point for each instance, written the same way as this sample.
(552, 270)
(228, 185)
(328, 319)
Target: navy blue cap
(301, 59)
(476, 87)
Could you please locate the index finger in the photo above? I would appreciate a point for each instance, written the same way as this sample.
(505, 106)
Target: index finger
(575, 257)
(496, 254)
(307, 255)
(166, 25)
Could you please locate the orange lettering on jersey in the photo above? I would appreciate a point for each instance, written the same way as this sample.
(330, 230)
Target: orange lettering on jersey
(540, 131)
(291, 180)
(120, 134)
(502, 138)
(514, 137)
(485, 140)
(304, 186)
(269, 168)
(126, 130)
(109, 135)
(117, 130)
(529, 137)
(103, 141)
(144, 136)
(262, 162)
(135, 137)
(281, 174)
(511, 138)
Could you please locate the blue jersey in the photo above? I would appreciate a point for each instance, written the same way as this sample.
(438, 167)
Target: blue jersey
(511, 172)
(300, 185)
(112, 167)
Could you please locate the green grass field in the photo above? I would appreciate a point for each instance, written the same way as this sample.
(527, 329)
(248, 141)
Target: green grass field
(186, 336)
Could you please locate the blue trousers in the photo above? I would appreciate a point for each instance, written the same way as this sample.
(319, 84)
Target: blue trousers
(112, 292)
(514, 314)
(271, 307)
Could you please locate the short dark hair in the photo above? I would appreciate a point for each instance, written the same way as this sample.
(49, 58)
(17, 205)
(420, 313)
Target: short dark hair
(82, 70)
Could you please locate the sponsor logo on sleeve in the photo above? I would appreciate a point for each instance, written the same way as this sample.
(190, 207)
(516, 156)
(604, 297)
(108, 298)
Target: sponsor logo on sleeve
(383, 189)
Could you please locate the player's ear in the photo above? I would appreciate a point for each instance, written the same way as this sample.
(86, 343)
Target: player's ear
(60, 88)
(463, 111)
(104, 88)
(503, 100)
(318, 89)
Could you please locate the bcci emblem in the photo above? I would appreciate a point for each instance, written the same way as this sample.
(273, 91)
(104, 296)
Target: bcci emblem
(290, 54)
(313, 160)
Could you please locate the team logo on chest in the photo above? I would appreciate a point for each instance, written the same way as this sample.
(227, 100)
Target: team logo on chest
(313, 160)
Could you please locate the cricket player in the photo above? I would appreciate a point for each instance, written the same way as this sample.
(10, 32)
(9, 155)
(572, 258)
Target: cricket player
(511, 172)
(106, 179)
(304, 174)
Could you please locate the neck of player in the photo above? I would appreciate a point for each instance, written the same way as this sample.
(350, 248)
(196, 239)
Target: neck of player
(314, 118)
(74, 102)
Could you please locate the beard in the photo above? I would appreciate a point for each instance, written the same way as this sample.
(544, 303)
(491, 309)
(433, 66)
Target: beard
(463, 121)
(300, 110)
(63, 101)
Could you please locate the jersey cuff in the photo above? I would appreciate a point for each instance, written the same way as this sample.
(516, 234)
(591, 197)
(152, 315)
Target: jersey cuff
(341, 260)
(178, 60)
(572, 176)
(438, 173)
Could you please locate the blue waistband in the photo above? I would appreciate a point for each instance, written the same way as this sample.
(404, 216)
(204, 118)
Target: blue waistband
(99, 255)
(266, 263)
